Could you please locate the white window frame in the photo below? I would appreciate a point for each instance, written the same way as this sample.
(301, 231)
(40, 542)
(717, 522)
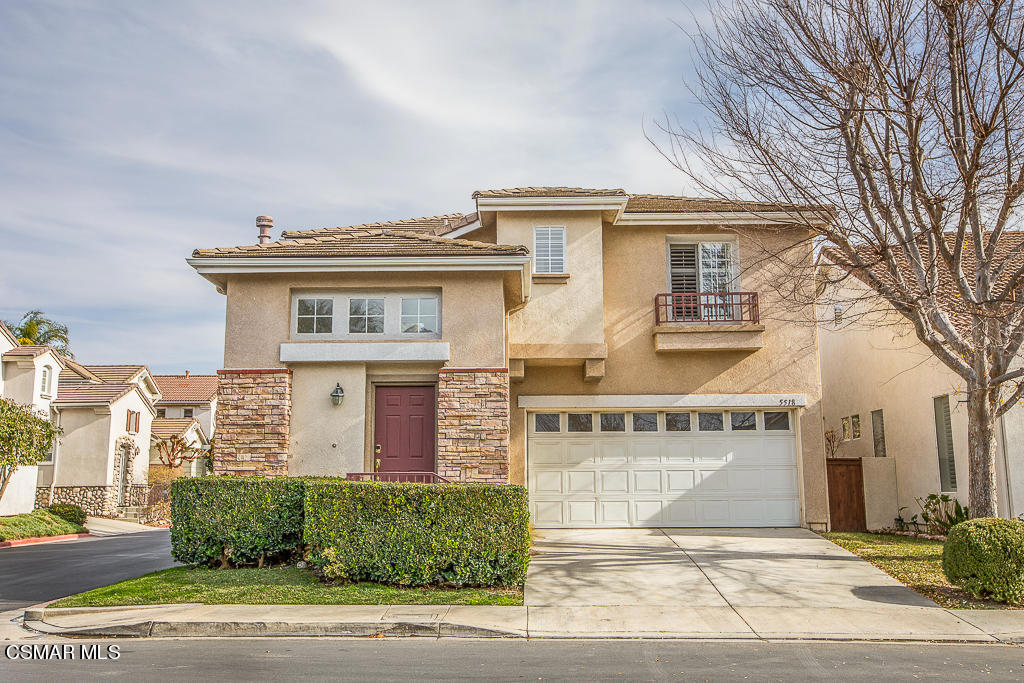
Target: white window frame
(392, 314)
(419, 315)
(46, 382)
(565, 250)
(734, 249)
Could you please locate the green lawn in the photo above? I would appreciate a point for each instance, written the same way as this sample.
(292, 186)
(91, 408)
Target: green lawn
(274, 586)
(36, 523)
(915, 562)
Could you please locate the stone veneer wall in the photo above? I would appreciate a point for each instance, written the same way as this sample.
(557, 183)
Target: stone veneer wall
(99, 501)
(473, 424)
(253, 416)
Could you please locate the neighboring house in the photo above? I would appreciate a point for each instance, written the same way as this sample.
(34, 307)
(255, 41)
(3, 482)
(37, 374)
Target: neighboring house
(189, 431)
(29, 375)
(902, 411)
(188, 395)
(184, 398)
(102, 460)
(618, 354)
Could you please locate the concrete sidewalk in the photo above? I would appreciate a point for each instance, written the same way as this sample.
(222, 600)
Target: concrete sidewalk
(103, 526)
(896, 623)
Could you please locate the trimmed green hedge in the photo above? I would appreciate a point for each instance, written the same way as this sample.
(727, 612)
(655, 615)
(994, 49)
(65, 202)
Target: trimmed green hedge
(419, 534)
(235, 520)
(69, 512)
(986, 558)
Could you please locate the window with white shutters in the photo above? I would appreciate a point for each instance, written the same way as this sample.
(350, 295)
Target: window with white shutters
(683, 268)
(549, 250)
(944, 443)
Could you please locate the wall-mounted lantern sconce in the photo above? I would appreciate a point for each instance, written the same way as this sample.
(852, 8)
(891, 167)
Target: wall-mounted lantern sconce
(338, 395)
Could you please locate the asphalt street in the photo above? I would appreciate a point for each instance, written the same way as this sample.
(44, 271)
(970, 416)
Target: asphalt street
(324, 659)
(32, 574)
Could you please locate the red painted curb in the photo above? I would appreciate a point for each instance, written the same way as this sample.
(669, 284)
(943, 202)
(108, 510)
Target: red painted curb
(41, 539)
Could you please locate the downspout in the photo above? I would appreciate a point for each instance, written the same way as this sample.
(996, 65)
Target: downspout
(56, 459)
(1011, 513)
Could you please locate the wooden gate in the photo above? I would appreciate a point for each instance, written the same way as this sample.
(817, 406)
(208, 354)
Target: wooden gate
(846, 494)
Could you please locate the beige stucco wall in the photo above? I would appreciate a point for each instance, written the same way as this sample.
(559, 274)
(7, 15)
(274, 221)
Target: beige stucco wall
(84, 451)
(874, 361)
(22, 381)
(564, 313)
(259, 310)
(634, 272)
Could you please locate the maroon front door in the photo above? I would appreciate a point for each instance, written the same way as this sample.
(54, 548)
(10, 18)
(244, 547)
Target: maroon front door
(404, 429)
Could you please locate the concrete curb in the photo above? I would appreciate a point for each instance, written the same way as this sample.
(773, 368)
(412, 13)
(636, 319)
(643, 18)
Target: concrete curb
(196, 620)
(42, 539)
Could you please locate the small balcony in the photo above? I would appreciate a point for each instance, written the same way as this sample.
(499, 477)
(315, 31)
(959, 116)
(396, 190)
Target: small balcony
(707, 321)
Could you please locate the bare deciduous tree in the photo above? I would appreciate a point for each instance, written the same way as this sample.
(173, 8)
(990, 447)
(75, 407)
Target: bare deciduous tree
(902, 121)
(174, 451)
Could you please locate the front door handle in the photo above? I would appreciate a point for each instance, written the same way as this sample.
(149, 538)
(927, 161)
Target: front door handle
(376, 466)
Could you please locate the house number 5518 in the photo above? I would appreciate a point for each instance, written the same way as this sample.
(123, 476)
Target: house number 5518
(787, 401)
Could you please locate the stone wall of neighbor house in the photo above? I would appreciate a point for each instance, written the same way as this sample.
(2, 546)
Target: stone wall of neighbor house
(99, 501)
(473, 424)
(253, 417)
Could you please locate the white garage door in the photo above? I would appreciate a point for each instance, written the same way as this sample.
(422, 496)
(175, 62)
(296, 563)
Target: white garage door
(662, 468)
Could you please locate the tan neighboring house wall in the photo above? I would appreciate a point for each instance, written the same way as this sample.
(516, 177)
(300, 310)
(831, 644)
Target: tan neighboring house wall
(874, 361)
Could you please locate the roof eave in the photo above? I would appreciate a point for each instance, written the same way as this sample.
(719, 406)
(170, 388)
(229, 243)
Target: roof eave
(614, 204)
(804, 217)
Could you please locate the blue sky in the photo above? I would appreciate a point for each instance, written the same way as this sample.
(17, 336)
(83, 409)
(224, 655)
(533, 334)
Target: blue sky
(132, 132)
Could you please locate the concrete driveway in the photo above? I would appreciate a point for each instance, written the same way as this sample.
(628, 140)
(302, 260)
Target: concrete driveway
(720, 582)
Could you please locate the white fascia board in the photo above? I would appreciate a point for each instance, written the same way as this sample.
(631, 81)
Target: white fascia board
(365, 352)
(214, 265)
(462, 231)
(719, 218)
(666, 401)
(611, 203)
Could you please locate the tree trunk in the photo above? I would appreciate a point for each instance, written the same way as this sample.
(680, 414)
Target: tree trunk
(5, 476)
(982, 403)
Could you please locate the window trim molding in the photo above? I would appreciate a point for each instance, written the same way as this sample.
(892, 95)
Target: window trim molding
(392, 315)
(565, 250)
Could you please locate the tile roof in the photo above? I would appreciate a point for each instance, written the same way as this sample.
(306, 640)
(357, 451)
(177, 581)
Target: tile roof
(513, 192)
(4, 332)
(168, 427)
(366, 243)
(80, 370)
(116, 374)
(431, 225)
(1010, 246)
(90, 393)
(662, 203)
(28, 350)
(186, 388)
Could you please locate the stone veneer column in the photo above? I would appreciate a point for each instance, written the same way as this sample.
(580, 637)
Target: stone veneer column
(473, 424)
(253, 414)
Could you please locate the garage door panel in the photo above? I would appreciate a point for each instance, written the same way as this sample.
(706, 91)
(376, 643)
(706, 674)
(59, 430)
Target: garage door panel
(545, 451)
(650, 479)
(612, 452)
(614, 512)
(645, 451)
(647, 512)
(647, 481)
(581, 482)
(614, 481)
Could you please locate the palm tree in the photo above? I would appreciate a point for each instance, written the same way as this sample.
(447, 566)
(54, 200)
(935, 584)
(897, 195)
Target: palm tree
(36, 328)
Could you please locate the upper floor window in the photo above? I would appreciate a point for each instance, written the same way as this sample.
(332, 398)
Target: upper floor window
(46, 381)
(362, 315)
(366, 316)
(419, 315)
(701, 267)
(316, 316)
(132, 424)
(549, 250)
(161, 412)
(187, 412)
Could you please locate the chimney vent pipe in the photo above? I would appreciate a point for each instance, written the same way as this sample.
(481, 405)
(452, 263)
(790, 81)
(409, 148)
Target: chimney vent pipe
(264, 223)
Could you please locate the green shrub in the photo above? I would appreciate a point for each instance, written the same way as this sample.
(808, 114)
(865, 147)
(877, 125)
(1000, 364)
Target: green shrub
(986, 558)
(235, 520)
(419, 534)
(69, 512)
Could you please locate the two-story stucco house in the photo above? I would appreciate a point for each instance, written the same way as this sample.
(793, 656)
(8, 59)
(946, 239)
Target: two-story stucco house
(29, 376)
(187, 411)
(615, 353)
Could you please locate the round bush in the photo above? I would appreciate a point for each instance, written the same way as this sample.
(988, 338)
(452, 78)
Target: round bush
(69, 512)
(986, 558)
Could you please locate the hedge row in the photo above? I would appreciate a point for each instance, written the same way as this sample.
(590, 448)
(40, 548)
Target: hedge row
(405, 534)
(986, 558)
